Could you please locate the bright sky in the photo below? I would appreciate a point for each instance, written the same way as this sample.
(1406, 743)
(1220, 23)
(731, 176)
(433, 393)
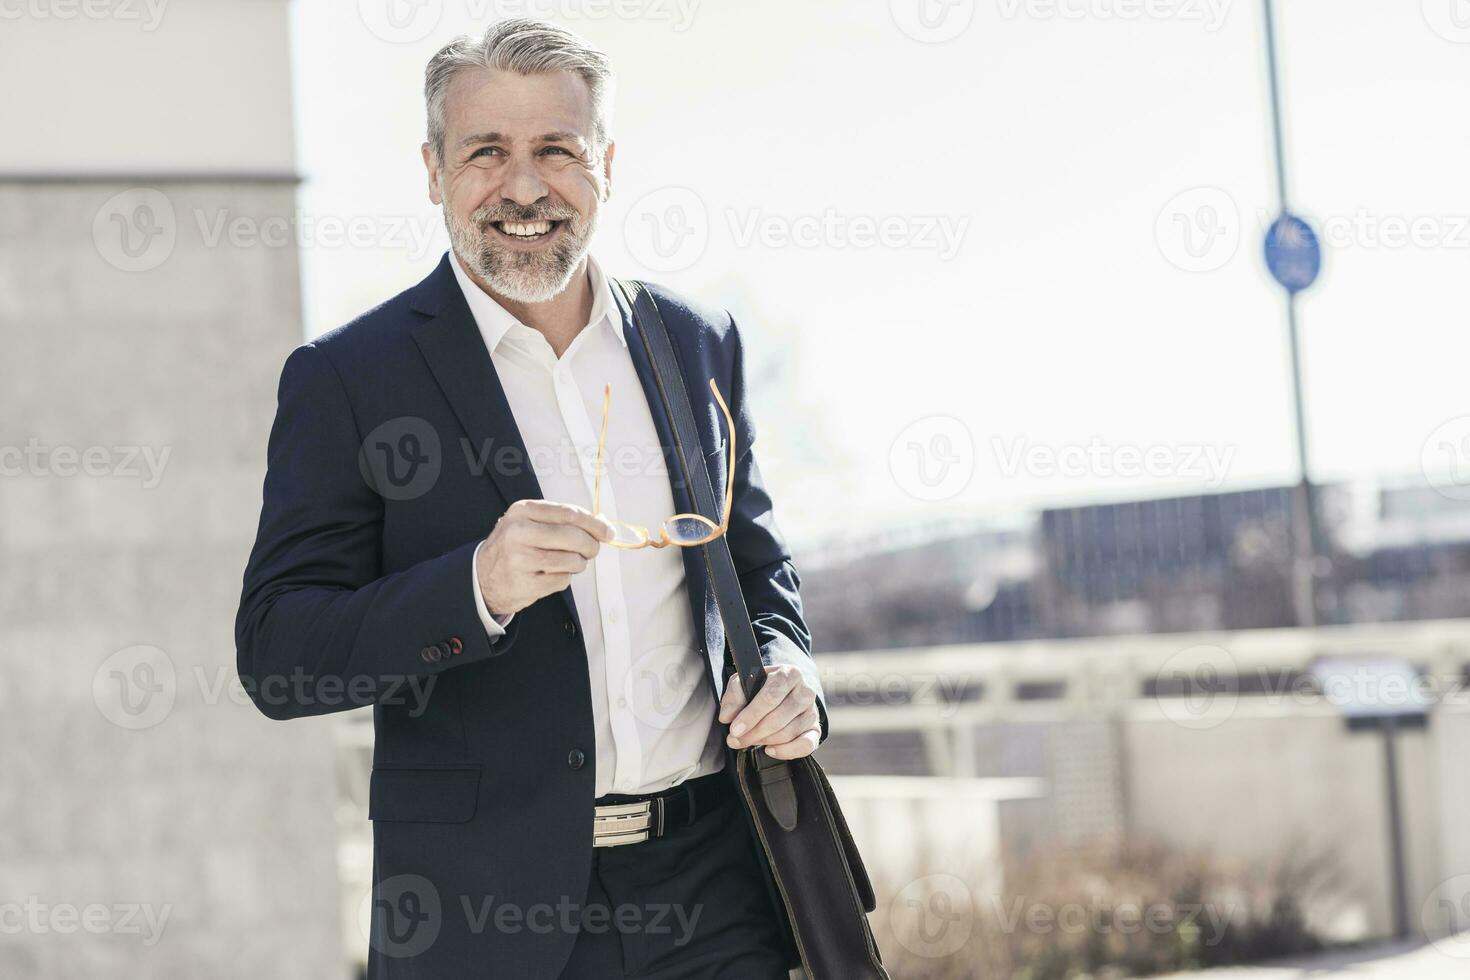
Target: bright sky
(984, 255)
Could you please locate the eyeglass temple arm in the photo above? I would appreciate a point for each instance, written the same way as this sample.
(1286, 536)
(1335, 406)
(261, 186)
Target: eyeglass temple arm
(729, 466)
(730, 461)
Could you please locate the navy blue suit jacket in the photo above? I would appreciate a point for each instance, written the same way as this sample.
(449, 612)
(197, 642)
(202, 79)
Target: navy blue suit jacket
(393, 453)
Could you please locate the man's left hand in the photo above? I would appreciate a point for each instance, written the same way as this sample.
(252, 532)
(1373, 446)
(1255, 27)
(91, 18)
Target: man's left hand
(783, 717)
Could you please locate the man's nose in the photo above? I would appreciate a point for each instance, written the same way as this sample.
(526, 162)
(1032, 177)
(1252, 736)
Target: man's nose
(523, 184)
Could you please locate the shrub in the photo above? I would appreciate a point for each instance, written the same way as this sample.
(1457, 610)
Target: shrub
(1101, 910)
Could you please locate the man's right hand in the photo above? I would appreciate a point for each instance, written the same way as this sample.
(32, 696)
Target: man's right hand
(534, 550)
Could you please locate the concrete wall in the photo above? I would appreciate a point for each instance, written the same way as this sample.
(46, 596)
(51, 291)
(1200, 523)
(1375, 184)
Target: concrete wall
(134, 772)
(155, 825)
(133, 86)
(1269, 785)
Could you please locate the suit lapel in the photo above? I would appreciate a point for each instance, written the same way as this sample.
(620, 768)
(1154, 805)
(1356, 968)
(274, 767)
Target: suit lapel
(455, 351)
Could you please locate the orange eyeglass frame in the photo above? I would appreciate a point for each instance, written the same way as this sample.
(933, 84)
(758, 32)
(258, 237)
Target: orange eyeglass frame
(645, 539)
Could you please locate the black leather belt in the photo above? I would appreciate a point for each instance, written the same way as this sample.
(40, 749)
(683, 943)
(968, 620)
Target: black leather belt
(618, 820)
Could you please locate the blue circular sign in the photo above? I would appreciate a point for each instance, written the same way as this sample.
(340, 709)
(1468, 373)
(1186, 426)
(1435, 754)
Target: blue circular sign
(1292, 253)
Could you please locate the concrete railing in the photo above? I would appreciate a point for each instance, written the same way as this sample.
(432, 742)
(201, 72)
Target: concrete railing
(1220, 742)
(964, 685)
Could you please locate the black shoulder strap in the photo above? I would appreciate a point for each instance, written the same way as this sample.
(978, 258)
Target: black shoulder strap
(739, 635)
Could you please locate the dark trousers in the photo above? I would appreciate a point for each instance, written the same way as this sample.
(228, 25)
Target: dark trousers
(691, 904)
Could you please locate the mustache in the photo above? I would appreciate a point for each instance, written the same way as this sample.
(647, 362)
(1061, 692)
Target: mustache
(483, 217)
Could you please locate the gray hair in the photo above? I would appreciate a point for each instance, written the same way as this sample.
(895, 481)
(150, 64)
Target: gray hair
(527, 47)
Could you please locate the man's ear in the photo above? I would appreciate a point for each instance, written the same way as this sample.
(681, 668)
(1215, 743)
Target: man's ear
(607, 161)
(431, 164)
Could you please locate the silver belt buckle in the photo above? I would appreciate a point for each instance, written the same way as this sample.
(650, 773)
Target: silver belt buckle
(624, 823)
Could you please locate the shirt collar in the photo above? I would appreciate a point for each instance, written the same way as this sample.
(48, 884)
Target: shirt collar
(495, 321)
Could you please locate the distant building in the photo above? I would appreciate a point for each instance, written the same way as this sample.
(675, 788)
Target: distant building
(1176, 564)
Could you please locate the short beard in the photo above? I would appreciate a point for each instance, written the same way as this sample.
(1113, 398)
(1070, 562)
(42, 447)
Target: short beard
(522, 277)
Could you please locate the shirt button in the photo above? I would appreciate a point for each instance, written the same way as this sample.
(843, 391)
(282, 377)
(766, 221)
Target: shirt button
(571, 628)
(622, 702)
(575, 758)
(613, 614)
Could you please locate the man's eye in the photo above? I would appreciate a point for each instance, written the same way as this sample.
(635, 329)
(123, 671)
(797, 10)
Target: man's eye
(556, 149)
(484, 151)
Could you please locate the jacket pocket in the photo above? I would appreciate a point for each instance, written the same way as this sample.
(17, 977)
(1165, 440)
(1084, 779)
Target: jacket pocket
(428, 794)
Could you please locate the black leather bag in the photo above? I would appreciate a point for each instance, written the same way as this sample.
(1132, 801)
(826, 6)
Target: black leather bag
(813, 862)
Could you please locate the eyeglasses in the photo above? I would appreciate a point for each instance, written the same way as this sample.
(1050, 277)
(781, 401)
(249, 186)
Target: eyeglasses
(681, 530)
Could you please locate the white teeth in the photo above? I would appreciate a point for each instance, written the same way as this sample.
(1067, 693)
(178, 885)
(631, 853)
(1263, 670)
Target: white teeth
(525, 229)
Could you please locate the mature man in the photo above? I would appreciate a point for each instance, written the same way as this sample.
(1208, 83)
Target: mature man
(428, 545)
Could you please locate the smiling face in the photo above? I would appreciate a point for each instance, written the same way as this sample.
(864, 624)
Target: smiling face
(520, 182)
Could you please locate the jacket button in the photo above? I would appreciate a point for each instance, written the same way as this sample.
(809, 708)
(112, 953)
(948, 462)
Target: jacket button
(444, 649)
(429, 654)
(456, 646)
(575, 758)
(571, 628)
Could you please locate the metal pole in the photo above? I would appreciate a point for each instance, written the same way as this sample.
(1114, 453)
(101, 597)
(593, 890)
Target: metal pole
(1395, 829)
(1303, 503)
(1275, 103)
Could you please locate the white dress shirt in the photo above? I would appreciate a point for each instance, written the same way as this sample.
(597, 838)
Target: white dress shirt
(652, 710)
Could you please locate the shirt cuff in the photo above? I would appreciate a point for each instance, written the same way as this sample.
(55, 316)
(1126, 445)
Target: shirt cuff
(494, 625)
